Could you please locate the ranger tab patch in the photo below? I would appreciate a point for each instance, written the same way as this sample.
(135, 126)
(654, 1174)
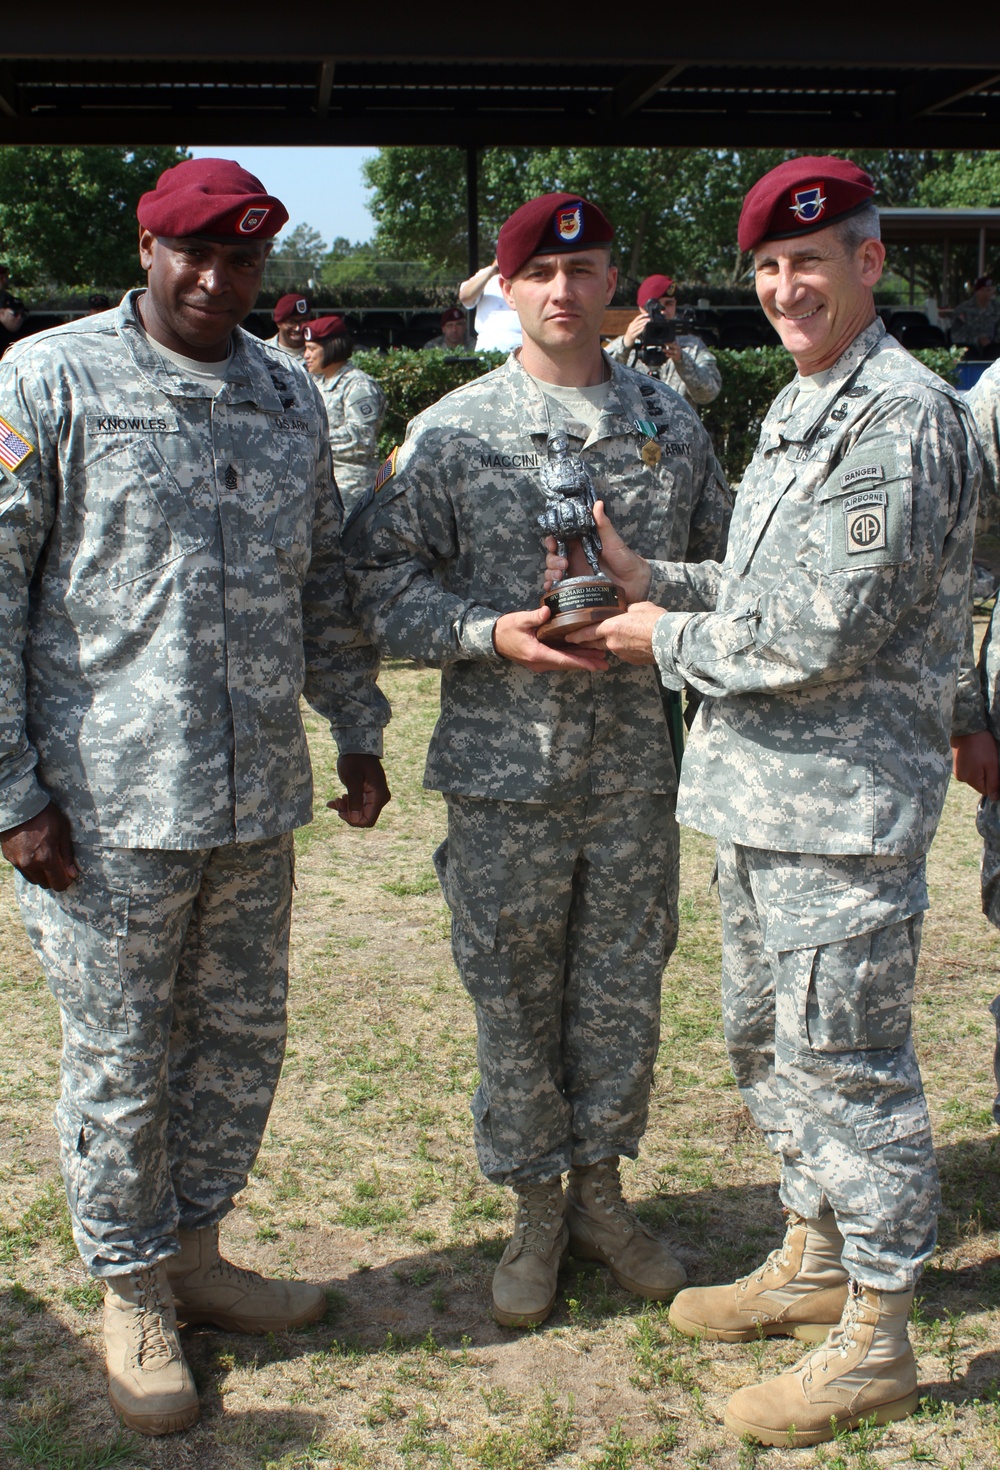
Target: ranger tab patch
(14, 449)
(861, 473)
(864, 521)
(386, 472)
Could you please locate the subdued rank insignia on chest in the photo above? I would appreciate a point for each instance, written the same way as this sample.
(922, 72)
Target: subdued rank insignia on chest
(14, 449)
(386, 472)
(232, 479)
(840, 412)
(864, 521)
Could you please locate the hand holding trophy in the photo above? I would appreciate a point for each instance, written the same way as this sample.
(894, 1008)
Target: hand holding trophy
(569, 490)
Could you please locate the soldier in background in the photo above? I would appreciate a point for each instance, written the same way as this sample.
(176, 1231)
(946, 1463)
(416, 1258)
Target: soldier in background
(355, 406)
(688, 367)
(291, 312)
(974, 322)
(829, 642)
(454, 334)
(560, 866)
(170, 584)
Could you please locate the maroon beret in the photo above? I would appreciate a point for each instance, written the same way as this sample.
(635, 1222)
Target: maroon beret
(982, 281)
(453, 314)
(655, 287)
(550, 224)
(290, 306)
(212, 197)
(325, 326)
(802, 195)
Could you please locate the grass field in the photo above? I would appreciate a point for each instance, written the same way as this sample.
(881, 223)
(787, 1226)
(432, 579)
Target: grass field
(367, 1181)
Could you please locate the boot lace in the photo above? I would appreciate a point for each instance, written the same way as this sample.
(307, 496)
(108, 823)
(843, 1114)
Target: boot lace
(608, 1194)
(775, 1261)
(536, 1217)
(223, 1270)
(155, 1346)
(841, 1338)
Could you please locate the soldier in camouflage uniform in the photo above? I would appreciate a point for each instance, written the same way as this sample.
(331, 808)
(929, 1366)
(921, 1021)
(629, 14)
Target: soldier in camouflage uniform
(291, 313)
(560, 866)
(974, 322)
(168, 539)
(827, 644)
(355, 406)
(976, 726)
(688, 367)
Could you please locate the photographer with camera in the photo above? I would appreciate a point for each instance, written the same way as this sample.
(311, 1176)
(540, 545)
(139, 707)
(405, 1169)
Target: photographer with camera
(651, 344)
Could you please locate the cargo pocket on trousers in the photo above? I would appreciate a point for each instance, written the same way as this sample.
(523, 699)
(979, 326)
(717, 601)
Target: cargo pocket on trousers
(82, 937)
(896, 1147)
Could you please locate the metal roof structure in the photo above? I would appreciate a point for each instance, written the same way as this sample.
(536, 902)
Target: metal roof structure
(326, 73)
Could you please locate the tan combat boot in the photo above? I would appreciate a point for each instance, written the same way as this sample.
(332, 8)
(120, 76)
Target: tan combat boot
(864, 1370)
(524, 1283)
(212, 1290)
(799, 1291)
(602, 1227)
(149, 1383)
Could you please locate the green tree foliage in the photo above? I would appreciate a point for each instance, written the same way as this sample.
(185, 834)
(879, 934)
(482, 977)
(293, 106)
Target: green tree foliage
(67, 215)
(296, 260)
(674, 209)
(413, 380)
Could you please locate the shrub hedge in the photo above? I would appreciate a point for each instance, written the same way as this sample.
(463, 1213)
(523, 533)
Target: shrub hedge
(751, 380)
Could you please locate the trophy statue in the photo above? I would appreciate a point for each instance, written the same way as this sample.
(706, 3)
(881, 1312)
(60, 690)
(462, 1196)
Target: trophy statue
(578, 601)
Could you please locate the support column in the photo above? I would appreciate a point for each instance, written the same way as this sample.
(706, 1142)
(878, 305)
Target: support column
(472, 206)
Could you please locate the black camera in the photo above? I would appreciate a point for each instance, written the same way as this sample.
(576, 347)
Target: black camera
(658, 333)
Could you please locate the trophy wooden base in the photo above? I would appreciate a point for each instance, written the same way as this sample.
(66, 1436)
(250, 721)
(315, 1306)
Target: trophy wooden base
(579, 602)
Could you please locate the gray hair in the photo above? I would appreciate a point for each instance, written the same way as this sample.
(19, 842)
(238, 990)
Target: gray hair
(859, 227)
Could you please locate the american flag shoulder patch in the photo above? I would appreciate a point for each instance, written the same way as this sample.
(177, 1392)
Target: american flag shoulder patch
(14, 449)
(386, 472)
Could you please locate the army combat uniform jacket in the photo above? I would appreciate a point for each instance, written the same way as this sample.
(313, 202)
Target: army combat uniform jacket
(355, 408)
(830, 637)
(170, 583)
(450, 541)
(696, 377)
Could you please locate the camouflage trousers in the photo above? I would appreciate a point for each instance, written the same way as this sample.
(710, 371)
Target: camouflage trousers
(819, 959)
(171, 971)
(988, 822)
(563, 918)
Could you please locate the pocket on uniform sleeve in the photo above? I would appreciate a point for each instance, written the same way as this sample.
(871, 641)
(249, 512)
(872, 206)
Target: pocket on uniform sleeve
(869, 507)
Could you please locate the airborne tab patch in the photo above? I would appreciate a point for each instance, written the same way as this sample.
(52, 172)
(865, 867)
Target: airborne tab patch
(864, 521)
(14, 449)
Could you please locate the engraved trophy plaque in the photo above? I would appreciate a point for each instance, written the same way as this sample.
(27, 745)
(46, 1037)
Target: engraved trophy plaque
(576, 602)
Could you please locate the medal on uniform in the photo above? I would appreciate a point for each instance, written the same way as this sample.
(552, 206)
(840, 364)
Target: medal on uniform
(649, 451)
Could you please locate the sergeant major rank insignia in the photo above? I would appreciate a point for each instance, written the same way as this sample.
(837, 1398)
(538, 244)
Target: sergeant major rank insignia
(864, 521)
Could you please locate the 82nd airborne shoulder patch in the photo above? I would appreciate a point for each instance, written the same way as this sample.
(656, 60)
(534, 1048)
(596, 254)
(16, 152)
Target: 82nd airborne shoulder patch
(865, 521)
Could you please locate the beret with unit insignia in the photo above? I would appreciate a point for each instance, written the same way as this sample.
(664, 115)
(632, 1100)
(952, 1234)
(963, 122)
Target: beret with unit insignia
(212, 197)
(802, 195)
(550, 224)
